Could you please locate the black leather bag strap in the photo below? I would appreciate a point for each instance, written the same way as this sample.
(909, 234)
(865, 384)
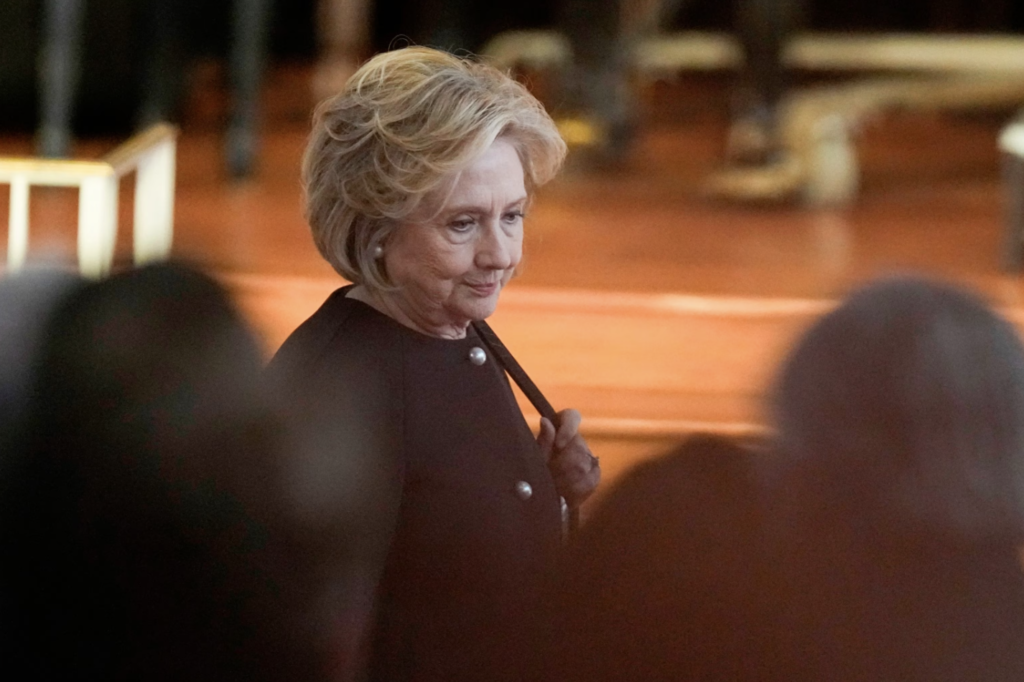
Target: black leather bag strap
(526, 385)
(514, 370)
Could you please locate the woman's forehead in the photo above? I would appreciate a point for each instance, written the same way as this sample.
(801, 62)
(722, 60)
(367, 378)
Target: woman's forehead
(495, 178)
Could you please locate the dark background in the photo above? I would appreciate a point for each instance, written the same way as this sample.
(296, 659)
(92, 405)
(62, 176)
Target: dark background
(115, 37)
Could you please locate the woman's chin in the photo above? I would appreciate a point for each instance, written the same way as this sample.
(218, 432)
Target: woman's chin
(479, 308)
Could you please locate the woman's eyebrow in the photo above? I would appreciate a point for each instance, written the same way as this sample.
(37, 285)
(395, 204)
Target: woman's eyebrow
(480, 208)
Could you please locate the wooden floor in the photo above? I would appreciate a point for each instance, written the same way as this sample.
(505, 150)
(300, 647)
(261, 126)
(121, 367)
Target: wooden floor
(652, 308)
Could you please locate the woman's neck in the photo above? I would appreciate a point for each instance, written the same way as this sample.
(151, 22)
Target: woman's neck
(387, 305)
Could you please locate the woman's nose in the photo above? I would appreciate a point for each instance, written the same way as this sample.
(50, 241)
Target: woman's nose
(495, 250)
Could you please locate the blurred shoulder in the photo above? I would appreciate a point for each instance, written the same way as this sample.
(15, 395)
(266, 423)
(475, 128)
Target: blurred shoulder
(700, 499)
(704, 469)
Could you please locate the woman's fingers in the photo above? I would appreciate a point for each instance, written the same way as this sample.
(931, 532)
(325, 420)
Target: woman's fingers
(568, 427)
(546, 438)
(575, 470)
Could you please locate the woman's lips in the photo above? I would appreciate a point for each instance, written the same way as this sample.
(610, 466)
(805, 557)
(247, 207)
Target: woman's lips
(484, 288)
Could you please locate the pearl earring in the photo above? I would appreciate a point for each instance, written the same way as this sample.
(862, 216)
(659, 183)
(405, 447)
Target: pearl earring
(378, 251)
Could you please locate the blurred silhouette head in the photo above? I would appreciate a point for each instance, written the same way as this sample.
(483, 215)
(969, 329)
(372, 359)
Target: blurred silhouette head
(906, 405)
(137, 540)
(664, 579)
(26, 302)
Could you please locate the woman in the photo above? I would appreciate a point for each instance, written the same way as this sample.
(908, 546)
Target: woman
(25, 303)
(418, 176)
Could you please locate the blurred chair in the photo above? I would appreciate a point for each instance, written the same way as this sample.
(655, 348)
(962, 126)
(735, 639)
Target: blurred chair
(151, 155)
(818, 127)
(61, 56)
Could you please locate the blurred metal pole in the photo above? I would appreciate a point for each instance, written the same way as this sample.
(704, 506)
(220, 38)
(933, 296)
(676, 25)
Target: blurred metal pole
(59, 68)
(764, 27)
(164, 62)
(250, 28)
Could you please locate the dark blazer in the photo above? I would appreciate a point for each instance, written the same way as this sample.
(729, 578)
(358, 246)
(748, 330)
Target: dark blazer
(477, 521)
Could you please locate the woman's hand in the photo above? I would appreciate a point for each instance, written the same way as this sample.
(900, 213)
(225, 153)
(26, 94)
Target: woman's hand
(575, 470)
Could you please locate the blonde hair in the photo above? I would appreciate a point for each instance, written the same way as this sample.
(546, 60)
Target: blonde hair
(405, 124)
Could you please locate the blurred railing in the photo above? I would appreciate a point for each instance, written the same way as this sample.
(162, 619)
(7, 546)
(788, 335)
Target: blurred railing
(664, 54)
(151, 154)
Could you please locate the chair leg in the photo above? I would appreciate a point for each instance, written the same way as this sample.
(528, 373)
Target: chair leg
(596, 85)
(1013, 238)
(58, 75)
(17, 226)
(97, 224)
(248, 53)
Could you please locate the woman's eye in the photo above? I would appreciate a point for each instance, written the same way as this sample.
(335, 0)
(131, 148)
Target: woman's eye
(461, 225)
(514, 216)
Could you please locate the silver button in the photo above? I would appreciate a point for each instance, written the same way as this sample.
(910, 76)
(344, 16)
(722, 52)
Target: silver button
(524, 490)
(477, 355)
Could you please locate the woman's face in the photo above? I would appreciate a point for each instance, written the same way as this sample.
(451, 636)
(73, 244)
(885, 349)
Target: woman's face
(451, 265)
